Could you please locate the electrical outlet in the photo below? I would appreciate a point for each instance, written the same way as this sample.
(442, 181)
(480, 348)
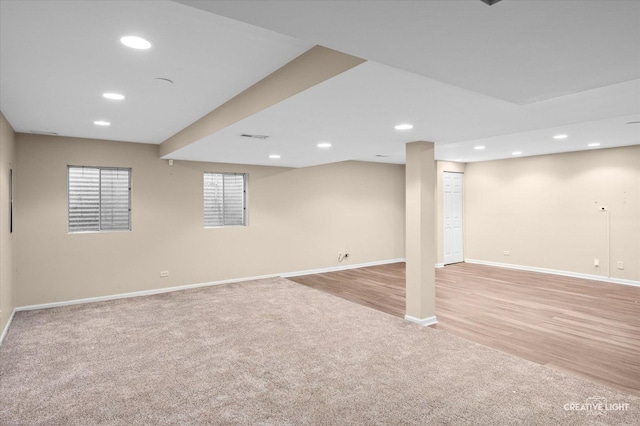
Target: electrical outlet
(596, 262)
(342, 256)
(620, 264)
(164, 274)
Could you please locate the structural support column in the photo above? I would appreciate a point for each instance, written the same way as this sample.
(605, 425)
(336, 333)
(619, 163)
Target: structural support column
(420, 233)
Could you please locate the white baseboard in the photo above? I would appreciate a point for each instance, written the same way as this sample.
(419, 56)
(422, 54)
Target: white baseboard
(207, 284)
(139, 293)
(555, 272)
(341, 267)
(6, 327)
(424, 321)
(439, 265)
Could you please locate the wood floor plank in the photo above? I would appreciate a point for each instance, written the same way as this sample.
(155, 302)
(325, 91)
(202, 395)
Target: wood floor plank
(587, 328)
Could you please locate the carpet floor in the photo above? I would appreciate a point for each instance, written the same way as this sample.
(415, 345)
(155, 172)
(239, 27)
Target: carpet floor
(273, 352)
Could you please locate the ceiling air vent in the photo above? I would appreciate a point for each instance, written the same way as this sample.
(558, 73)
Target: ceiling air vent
(245, 135)
(39, 132)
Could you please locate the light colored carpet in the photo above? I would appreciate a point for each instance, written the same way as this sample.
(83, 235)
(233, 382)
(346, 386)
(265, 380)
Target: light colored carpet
(270, 352)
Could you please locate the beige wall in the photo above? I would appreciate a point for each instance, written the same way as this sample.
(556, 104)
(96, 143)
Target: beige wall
(544, 211)
(541, 209)
(299, 219)
(7, 282)
(441, 167)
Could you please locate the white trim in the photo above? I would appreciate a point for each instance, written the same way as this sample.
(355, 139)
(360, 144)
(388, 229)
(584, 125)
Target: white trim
(139, 293)
(207, 284)
(439, 265)
(341, 267)
(6, 327)
(424, 321)
(555, 272)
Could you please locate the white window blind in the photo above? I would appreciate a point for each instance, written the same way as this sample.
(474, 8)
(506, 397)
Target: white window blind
(224, 199)
(99, 199)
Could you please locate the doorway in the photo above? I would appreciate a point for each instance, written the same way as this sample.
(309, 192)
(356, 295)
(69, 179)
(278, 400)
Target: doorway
(453, 218)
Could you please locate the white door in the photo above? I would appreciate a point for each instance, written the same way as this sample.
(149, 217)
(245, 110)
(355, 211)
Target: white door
(453, 236)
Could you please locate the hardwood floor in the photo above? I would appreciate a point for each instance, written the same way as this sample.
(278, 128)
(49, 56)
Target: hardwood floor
(379, 287)
(586, 328)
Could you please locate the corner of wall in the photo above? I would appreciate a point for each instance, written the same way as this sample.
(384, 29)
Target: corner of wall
(7, 263)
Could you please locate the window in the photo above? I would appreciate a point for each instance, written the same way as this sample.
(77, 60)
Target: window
(225, 197)
(99, 199)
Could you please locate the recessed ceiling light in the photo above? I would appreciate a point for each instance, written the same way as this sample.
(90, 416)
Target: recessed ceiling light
(404, 126)
(479, 147)
(560, 136)
(324, 145)
(135, 42)
(516, 153)
(274, 156)
(594, 144)
(101, 123)
(114, 96)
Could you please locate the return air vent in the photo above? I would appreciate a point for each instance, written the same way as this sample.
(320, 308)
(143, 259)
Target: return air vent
(246, 135)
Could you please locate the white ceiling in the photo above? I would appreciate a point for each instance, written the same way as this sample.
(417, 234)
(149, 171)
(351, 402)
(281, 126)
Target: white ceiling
(508, 77)
(518, 51)
(58, 57)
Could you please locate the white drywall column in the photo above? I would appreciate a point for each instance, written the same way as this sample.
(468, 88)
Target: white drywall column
(421, 233)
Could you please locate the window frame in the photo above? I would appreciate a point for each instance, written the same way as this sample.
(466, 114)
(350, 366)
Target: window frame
(245, 193)
(129, 200)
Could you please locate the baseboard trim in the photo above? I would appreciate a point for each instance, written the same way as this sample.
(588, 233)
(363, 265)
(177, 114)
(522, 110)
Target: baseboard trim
(424, 321)
(439, 265)
(199, 285)
(6, 327)
(139, 293)
(341, 267)
(555, 272)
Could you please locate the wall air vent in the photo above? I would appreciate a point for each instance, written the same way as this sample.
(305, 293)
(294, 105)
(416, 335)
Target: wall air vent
(246, 135)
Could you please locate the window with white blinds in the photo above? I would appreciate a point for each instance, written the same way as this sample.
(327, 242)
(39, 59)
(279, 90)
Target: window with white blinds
(225, 197)
(99, 199)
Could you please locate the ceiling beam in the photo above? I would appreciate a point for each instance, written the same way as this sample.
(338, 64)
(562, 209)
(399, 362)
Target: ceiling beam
(316, 65)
